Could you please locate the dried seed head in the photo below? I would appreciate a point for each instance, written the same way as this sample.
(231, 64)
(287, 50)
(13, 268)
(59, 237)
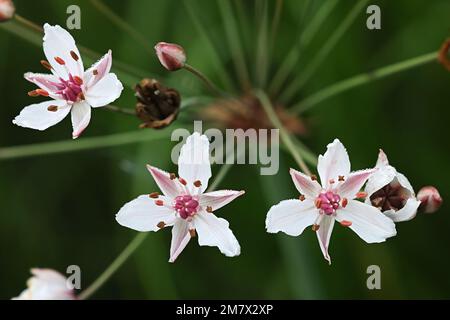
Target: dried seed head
(430, 199)
(171, 56)
(444, 54)
(157, 105)
(7, 10)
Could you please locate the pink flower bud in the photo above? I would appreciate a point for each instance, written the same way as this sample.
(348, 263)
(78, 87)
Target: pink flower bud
(430, 199)
(7, 10)
(171, 55)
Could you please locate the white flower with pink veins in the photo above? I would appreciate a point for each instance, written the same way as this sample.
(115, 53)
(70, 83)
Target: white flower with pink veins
(184, 205)
(320, 205)
(47, 284)
(72, 89)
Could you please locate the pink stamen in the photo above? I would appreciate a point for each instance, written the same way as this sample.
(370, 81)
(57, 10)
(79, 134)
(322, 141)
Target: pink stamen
(328, 202)
(186, 206)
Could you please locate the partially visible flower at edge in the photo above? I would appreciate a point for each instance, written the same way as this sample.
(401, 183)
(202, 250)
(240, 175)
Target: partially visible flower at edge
(46, 284)
(430, 199)
(391, 192)
(72, 89)
(171, 55)
(320, 205)
(184, 205)
(7, 10)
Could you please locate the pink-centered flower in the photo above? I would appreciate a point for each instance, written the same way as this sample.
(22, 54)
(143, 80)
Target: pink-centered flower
(391, 192)
(184, 205)
(47, 284)
(320, 205)
(72, 89)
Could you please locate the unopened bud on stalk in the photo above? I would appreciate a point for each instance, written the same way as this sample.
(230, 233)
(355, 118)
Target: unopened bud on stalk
(171, 55)
(430, 199)
(7, 10)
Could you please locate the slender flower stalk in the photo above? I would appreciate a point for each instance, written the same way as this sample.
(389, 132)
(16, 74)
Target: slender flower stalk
(208, 83)
(135, 244)
(265, 102)
(362, 79)
(120, 110)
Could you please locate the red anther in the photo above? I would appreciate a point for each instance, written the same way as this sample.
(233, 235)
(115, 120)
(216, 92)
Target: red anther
(314, 177)
(315, 227)
(74, 56)
(331, 181)
(78, 80)
(197, 183)
(301, 197)
(173, 176)
(341, 178)
(361, 195)
(192, 233)
(95, 72)
(46, 64)
(33, 93)
(60, 61)
(52, 108)
(182, 181)
(209, 209)
(159, 203)
(346, 223)
(161, 224)
(154, 195)
(344, 202)
(317, 203)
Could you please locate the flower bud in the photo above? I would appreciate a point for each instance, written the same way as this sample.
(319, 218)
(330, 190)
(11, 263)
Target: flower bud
(430, 199)
(157, 105)
(444, 54)
(171, 55)
(7, 10)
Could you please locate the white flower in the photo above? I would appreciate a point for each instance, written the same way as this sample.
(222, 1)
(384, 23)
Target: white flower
(391, 192)
(184, 205)
(72, 89)
(321, 205)
(46, 284)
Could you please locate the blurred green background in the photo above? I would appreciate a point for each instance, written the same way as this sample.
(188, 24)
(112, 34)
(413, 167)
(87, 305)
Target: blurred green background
(58, 210)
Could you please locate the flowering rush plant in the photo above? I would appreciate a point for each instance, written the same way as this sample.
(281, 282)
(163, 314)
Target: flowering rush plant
(257, 96)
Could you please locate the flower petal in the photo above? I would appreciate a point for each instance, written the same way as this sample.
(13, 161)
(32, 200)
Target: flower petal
(353, 183)
(142, 214)
(404, 182)
(58, 43)
(46, 82)
(368, 222)
(218, 199)
(101, 68)
(304, 184)
(169, 187)
(382, 160)
(180, 238)
(193, 163)
(105, 91)
(408, 212)
(215, 232)
(291, 217)
(324, 235)
(37, 116)
(334, 163)
(379, 179)
(81, 116)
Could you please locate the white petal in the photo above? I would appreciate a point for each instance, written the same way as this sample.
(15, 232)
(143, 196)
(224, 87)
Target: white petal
(215, 232)
(368, 222)
(291, 217)
(45, 82)
(382, 159)
(169, 187)
(101, 68)
(142, 214)
(218, 199)
(180, 238)
(379, 179)
(193, 163)
(324, 235)
(334, 163)
(353, 183)
(305, 185)
(404, 182)
(59, 43)
(406, 213)
(37, 116)
(105, 91)
(81, 116)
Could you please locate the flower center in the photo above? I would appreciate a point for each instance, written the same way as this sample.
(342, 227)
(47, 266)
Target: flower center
(186, 206)
(391, 197)
(328, 202)
(70, 89)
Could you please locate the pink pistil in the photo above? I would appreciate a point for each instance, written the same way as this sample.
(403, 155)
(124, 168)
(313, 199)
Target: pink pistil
(328, 202)
(186, 206)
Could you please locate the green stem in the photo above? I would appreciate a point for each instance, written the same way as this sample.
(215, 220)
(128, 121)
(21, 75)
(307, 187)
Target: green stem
(362, 79)
(323, 53)
(209, 84)
(48, 148)
(275, 22)
(129, 112)
(122, 24)
(114, 266)
(134, 245)
(262, 52)
(285, 136)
